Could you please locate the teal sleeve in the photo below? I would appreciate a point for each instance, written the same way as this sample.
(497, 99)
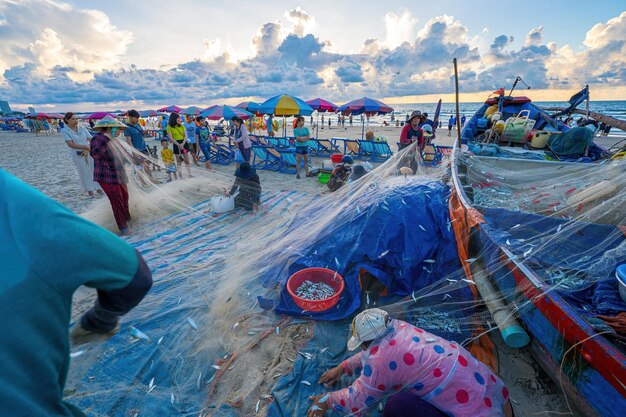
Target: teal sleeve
(64, 249)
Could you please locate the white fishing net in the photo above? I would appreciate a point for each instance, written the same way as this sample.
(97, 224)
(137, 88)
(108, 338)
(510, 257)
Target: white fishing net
(213, 350)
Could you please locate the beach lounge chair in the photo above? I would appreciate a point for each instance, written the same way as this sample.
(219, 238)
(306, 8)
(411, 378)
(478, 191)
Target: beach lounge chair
(263, 159)
(221, 154)
(326, 147)
(382, 151)
(350, 146)
(432, 155)
(366, 149)
(287, 159)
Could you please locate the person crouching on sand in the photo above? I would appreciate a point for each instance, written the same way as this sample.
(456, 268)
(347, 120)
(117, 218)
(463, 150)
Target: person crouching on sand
(248, 188)
(109, 171)
(420, 373)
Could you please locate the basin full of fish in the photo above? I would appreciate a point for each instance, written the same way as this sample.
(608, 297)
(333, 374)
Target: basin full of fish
(314, 291)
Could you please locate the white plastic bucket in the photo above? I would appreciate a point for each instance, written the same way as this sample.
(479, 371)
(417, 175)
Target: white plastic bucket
(540, 140)
(222, 204)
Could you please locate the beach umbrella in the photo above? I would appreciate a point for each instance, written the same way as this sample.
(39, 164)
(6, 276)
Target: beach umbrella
(192, 111)
(37, 116)
(170, 109)
(99, 115)
(367, 106)
(285, 105)
(321, 106)
(250, 106)
(148, 113)
(226, 112)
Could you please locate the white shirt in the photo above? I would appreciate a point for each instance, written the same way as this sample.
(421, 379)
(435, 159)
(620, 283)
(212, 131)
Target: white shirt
(81, 137)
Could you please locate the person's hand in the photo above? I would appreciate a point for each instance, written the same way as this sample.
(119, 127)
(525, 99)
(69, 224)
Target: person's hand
(317, 409)
(85, 153)
(330, 377)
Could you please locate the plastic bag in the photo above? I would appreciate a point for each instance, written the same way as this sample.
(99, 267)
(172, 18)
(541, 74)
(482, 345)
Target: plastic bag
(239, 156)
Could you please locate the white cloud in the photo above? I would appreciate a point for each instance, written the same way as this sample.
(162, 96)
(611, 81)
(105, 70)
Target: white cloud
(399, 29)
(50, 34)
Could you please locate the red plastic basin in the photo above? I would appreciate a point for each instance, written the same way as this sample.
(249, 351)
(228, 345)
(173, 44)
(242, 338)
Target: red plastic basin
(316, 275)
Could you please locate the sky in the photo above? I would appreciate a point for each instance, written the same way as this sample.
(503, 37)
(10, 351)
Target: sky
(94, 55)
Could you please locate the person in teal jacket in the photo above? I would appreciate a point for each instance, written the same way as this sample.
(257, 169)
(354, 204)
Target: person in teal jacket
(47, 253)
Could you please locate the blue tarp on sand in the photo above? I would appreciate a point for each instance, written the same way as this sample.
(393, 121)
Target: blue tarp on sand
(400, 233)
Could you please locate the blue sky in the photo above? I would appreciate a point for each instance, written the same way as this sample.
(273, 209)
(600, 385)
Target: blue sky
(98, 54)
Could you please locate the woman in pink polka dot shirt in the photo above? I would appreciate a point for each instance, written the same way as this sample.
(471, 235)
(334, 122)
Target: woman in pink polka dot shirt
(412, 368)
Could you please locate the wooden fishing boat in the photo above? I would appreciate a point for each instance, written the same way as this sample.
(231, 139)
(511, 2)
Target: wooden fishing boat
(586, 364)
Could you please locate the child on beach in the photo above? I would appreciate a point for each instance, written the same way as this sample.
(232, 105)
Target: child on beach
(167, 156)
(203, 138)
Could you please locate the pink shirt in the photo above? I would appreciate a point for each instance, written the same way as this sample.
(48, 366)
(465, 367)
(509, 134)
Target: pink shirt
(409, 358)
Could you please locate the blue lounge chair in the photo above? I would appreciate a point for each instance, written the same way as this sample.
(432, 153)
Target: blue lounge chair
(326, 147)
(221, 154)
(350, 146)
(382, 151)
(263, 159)
(366, 149)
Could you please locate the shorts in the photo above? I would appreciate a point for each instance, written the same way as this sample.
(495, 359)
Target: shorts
(177, 151)
(449, 127)
(170, 168)
(302, 150)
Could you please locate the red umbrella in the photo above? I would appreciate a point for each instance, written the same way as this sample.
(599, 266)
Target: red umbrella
(226, 112)
(37, 116)
(170, 109)
(322, 105)
(99, 115)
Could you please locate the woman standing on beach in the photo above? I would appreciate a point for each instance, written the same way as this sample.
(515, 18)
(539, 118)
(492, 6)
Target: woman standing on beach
(242, 140)
(109, 170)
(77, 138)
(177, 134)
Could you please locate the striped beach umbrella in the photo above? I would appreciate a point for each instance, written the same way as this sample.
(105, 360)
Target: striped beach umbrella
(285, 105)
(365, 105)
(192, 111)
(250, 106)
(170, 109)
(99, 115)
(322, 105)
(226, 112)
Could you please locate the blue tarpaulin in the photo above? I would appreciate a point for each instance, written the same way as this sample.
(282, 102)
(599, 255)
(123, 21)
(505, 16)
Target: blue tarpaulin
(402, 236)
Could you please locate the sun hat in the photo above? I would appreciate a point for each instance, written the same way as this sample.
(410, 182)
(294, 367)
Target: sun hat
(368, 325)
(245, 171)
(108, 121)
(416, 113)
(406, 171)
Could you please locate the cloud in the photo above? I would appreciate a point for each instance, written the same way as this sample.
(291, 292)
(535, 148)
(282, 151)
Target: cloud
(349, 71)
(399, 29)
(52, 64)
(50, 34)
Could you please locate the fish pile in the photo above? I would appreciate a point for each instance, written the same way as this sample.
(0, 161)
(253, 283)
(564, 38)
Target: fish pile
(314, 291)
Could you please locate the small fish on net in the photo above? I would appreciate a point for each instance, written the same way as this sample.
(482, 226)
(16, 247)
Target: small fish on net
(314, 291)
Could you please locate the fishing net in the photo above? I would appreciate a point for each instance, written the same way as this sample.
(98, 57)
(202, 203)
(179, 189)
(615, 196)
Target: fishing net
(220, 335)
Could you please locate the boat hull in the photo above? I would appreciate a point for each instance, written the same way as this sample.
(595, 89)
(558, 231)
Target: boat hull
(589, 370)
